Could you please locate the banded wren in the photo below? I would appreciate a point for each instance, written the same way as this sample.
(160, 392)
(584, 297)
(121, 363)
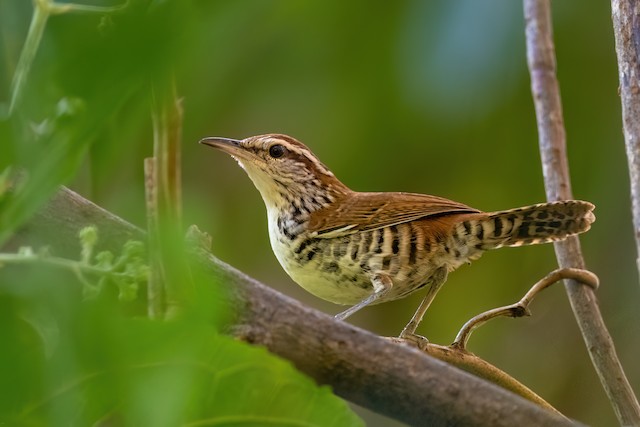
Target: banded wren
(358, 249)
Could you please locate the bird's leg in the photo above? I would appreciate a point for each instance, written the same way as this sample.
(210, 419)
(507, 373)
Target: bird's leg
(435, 283)
(381, 285)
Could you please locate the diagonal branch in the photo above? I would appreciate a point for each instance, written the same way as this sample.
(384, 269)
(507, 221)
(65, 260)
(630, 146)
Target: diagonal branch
(626, 29)
(546, 96)
(396, 380)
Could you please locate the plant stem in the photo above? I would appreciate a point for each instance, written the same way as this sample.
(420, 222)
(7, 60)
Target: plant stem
(42, 10)
(41, 13)
(64, 263)
(164, 200)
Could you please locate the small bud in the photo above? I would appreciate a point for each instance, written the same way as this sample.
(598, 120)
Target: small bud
(26, 251)
(88, 239)
(69, 106)
(89, 236)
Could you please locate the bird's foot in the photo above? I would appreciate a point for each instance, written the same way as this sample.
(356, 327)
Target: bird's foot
(411, 339)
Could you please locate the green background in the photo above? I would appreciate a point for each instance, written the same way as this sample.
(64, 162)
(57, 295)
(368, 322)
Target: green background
(429, 97)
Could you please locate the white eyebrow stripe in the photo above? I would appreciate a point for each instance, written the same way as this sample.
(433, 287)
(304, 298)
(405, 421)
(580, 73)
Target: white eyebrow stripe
(301, 151)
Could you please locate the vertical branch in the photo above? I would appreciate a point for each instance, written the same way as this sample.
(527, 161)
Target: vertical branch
(165, 199)
(546, 95)
(167, 130)
(626, 29)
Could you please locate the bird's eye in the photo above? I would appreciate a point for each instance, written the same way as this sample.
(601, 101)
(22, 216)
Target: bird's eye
(276, 151)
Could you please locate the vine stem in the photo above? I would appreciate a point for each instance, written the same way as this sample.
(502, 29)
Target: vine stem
(553, 150)
(521, 308)
(76, 267)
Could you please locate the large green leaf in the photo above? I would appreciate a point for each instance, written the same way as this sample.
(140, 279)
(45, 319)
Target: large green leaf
(107, 369)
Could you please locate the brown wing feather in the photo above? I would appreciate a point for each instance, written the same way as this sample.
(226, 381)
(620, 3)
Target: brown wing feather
(369, 211)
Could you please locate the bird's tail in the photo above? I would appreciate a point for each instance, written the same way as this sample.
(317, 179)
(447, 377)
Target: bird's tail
(530, 225)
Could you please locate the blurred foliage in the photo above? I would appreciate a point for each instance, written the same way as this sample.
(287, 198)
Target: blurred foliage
(429, 97)
(78, 350)
(68, 362)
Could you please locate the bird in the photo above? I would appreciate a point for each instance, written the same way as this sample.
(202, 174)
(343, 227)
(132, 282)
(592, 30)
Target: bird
(362, 248)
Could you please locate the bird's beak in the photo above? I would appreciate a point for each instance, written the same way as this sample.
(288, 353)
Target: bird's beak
(229, 146)
(225, 144)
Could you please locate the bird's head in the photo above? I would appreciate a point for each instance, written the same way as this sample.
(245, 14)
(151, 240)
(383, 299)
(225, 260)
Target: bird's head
(283, 169)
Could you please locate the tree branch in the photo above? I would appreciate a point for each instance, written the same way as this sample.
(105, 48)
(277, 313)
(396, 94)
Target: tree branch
(546, 95)
(626, 29)
(396, 380)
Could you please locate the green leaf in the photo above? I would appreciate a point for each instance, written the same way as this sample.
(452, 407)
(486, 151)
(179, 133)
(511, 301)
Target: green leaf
(110, 369)
(246, 377)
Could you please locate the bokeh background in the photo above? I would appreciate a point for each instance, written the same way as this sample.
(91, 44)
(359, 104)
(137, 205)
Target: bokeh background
(429, 97)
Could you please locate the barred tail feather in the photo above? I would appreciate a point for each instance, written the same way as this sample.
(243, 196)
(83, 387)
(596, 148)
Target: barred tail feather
(541, 223)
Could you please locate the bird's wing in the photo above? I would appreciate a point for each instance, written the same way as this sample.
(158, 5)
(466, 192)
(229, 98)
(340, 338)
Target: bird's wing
(370, 211)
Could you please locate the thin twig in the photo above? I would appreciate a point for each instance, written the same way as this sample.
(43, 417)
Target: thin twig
(626, 27)
(521, 308)
(546, 95)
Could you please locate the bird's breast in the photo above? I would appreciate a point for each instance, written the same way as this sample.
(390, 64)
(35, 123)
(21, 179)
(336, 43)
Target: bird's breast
(320, 266)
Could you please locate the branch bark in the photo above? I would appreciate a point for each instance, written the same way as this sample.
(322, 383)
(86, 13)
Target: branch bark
(396, 380)
(626, 29)
(552, 139)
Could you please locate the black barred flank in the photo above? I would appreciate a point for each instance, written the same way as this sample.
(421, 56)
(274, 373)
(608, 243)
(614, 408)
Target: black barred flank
(380, 241)
(355, 245)
(354, 252)
(302, 246)
(412, 237)
(368, 238)
(467, 227)
(413, 249)
(395, 245)
(386, 262)
(497, 226)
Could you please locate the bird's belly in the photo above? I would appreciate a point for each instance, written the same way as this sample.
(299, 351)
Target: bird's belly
(315, 269)
(350, 288)
(327, 269)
